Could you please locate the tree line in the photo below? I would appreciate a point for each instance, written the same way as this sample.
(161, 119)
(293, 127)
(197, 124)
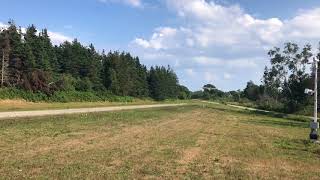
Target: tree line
(31, 62)
(283, 82)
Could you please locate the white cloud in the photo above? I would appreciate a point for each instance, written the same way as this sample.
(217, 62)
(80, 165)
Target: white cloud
(211, 35)
(2, 25)
(227, 76)
(133, 3)
(162, 38)
(210, 24)
(58, 38)
(142, 42)
(213, 23)
(210, 77)
(207, 61)
(231, 63)
(190, 72)
(157, 56)
(243, 63)
(305, 25)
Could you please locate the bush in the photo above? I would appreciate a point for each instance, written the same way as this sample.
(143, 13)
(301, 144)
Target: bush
(62, 96)
(83, 84)
(12, 93)
(270, 104)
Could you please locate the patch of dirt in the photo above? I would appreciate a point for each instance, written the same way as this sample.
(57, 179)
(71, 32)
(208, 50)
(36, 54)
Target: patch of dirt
(262, 168)
(17, 102)
(189, 155)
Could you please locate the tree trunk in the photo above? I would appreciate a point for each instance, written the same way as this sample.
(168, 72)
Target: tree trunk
(5, 61)
(2, 69)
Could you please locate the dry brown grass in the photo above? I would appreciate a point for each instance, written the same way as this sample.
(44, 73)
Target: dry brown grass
(19, 105)
(169, 143)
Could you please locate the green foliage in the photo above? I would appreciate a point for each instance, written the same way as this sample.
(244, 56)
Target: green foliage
(284, 82)
(183, 93)
(288, 73)
(83, 84)
(74, 72)
(210, 92)
(62, 96)
(124, 75)
(163, 83)
(271, 104)
(252, 91)
(197, 95)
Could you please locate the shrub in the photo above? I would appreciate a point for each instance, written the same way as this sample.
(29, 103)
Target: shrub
(270, 104)
(62, 96)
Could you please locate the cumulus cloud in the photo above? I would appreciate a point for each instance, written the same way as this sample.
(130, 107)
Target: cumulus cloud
(225, 36)
(210, 24)
(304, 26)
(162, 38)
(58, 38)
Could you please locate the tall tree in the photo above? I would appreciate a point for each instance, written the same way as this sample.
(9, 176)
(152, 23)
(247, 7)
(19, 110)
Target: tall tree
(288, 72)
(5, 49)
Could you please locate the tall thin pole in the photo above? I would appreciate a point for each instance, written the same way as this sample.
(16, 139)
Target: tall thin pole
(314, 124)
(316, 92)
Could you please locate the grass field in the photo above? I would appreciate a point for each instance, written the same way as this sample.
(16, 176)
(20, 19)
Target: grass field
(21, 105)
(190, 142)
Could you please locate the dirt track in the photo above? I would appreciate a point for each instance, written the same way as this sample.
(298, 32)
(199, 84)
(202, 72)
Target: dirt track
(18, 114)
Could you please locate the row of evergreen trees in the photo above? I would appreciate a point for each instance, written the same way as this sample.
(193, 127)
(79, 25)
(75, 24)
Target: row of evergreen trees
(31, 62)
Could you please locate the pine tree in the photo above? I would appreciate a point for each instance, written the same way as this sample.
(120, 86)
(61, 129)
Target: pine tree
(30, 61)
(5, 49)
(32, 48)
(17, 56)
(47, 59)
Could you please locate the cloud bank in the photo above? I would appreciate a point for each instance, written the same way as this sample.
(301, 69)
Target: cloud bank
(213, 41)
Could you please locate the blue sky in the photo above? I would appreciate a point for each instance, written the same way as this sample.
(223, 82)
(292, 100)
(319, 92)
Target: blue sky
(223, 42)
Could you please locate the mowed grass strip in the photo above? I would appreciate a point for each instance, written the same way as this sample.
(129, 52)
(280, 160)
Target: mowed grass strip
(190, 142)
(22, 105)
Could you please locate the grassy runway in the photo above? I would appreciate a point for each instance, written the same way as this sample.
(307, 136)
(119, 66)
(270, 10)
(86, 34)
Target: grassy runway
(190, 142)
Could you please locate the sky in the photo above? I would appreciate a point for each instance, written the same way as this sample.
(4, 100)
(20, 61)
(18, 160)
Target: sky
(222, 42)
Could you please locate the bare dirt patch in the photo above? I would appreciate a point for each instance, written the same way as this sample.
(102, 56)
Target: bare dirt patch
(189, 155)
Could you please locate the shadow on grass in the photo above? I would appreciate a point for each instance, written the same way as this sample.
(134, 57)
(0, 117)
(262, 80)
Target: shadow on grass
(282, 116)
(278, 123)
(298, 146)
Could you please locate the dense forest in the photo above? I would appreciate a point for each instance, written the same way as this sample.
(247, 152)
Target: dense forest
(35, 69)
(283, 83)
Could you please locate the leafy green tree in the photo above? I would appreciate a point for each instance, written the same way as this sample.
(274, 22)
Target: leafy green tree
(183, 92)
(252, 91)
(288, 72)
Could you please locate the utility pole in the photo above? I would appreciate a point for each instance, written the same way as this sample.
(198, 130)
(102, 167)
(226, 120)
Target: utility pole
(314, 125)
